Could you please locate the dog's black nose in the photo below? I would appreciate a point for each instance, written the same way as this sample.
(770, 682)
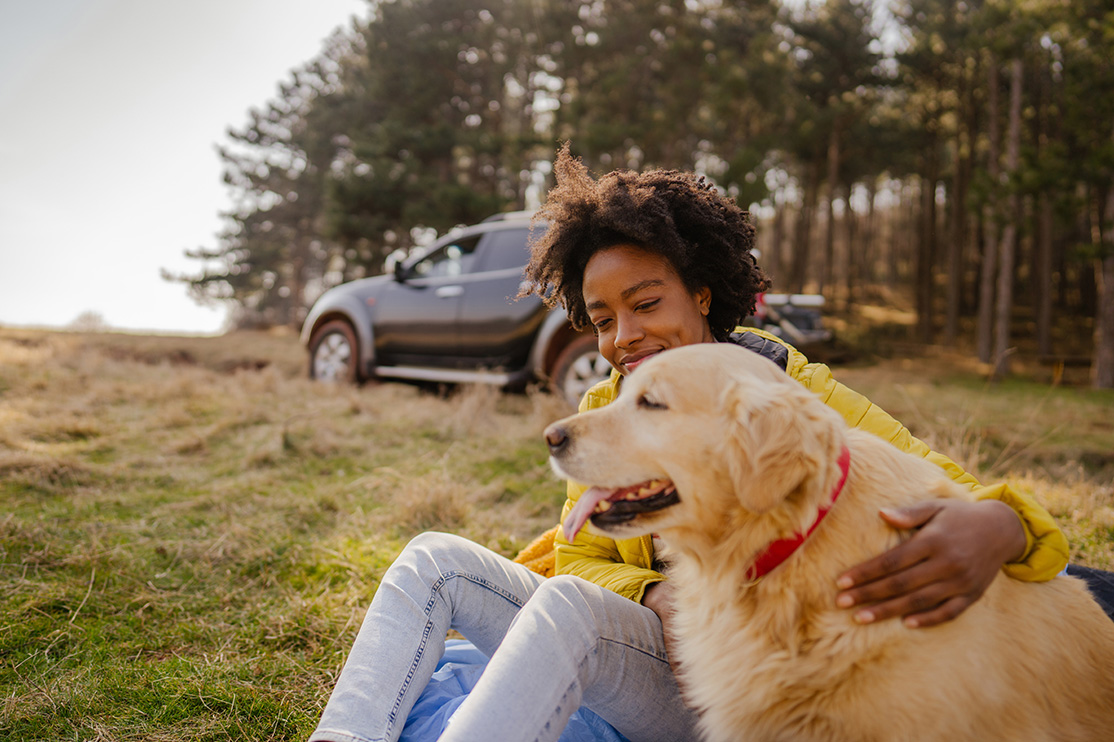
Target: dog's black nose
(556, 438)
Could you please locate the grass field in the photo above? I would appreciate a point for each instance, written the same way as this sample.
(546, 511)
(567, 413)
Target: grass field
(191, 531)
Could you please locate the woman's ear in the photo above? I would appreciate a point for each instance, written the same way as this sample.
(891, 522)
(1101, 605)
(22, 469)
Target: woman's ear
(704, 299)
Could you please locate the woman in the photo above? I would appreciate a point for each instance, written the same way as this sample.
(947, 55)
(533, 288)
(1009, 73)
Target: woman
(652, 262)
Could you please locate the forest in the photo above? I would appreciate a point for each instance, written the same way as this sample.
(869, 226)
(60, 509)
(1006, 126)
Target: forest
(958, 153)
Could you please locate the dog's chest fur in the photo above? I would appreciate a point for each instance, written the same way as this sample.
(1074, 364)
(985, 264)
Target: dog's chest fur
(756, 675)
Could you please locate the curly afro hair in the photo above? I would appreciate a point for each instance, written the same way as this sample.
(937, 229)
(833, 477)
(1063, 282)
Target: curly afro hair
(706, 237)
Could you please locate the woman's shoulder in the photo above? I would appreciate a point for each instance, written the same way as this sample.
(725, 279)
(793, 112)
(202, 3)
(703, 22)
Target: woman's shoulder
(601, 393)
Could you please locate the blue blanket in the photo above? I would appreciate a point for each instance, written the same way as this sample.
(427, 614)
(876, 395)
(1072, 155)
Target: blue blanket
(456, 675)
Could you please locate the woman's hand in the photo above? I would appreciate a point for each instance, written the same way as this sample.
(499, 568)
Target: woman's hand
(946, 566)
(658, 597)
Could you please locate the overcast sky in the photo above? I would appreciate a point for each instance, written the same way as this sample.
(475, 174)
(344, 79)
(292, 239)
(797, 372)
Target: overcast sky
(109, 113)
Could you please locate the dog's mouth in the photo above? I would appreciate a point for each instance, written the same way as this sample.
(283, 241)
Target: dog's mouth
(607, 507)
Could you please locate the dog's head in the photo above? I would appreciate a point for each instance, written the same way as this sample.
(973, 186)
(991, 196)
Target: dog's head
(700, 436)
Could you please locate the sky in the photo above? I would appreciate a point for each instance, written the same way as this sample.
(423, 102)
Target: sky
(110, 113)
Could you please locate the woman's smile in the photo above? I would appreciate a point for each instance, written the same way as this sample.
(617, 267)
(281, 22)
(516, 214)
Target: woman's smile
(631, 360)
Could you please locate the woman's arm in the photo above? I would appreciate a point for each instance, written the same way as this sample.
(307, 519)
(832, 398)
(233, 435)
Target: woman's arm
(659, 599)
(958, 547)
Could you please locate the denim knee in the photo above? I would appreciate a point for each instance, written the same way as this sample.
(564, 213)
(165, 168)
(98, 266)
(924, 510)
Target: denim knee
(434, 549)
(563, 598)
(433, 542)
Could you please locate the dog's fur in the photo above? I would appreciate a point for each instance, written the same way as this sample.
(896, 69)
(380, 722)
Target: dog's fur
(753, 455)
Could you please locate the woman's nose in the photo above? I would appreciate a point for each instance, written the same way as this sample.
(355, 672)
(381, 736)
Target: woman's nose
(627, 333)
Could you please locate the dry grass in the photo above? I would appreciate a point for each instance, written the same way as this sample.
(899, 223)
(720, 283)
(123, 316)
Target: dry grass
(192, 530)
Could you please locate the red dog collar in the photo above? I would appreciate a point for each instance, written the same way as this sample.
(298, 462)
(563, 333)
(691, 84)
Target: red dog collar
(778, 551)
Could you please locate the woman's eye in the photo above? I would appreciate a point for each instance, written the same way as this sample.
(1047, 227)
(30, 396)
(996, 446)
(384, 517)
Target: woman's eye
(601, 324)
(650, 403)
(647, 305)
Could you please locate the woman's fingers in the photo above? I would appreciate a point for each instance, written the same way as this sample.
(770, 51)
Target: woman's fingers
(917, 589)
(942, 613)
(911, 516)
(898, 558)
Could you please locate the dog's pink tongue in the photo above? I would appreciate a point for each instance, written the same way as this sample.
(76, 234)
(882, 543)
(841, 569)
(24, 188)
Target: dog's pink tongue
(583, 509)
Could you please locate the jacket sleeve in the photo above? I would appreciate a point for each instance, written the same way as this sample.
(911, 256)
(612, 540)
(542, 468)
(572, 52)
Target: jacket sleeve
(1046, 547)
(598, 559)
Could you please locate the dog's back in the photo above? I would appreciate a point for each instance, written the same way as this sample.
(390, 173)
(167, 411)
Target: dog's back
(1052, 652)
(1028, 660)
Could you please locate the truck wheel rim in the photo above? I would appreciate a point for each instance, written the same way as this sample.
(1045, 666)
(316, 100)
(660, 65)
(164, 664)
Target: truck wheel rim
(330, 362)
(584, 372)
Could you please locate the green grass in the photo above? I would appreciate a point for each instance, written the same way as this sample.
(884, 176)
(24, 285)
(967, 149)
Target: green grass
(191, 531)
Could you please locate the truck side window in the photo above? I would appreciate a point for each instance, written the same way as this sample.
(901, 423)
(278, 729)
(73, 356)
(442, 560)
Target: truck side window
(505, 249)
(454, 259)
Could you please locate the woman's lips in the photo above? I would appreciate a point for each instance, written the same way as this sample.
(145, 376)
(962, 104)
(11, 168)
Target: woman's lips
(633, 364)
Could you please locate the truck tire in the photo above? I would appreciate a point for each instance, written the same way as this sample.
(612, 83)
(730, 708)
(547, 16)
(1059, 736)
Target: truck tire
(578, 368)
(333, 353)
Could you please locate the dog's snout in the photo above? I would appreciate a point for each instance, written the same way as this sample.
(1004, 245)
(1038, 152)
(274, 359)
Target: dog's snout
(557, 438)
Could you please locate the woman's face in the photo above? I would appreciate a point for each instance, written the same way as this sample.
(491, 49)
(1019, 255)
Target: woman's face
(640, 307)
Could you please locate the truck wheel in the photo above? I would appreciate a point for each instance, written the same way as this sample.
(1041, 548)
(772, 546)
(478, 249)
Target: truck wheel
(333, 353)
(578, 368)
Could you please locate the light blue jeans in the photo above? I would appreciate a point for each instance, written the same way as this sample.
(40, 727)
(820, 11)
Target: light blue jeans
(554, 644)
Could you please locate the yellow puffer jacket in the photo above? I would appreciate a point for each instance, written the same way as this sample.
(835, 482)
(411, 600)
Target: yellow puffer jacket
(625, 566)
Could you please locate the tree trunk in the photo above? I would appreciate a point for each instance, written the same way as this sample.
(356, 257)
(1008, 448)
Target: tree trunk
(827, 270)
(1009, 235)
(852, 255)
(866, 240)
(1102, 370)
(984, 331)
(1042, 235)
(926, 248)
(973, 247)
(892, 221)
(1042, 279)
(771, 263)
(905, 244)
(803, 237)
(958, 241)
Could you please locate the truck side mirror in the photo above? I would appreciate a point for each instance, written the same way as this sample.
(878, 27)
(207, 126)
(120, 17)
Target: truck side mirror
(393, 265)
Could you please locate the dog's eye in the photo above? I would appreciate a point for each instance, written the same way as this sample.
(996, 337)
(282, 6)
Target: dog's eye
(650, 403)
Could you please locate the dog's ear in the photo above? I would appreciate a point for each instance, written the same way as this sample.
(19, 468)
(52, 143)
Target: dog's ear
(771, 447)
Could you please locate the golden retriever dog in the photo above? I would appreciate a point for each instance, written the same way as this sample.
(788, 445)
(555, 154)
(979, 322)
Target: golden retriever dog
(722, 454)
